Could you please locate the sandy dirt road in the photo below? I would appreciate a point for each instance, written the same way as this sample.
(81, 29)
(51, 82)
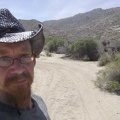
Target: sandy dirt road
(69, 92)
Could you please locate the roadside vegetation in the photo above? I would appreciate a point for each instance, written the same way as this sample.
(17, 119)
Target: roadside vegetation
(108, 79)
(84, 49)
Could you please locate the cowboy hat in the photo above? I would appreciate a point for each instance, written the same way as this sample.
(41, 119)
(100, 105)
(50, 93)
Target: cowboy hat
(11, 30)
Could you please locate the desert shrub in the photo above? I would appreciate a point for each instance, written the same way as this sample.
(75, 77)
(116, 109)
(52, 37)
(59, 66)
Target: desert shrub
(85, 48)
(48, 54)
(53, 44)
(104, 59)
(108, 79)
(117, 57)
(91, 49)
(77, 49)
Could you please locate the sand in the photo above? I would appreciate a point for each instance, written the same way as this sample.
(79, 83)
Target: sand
(69, 92)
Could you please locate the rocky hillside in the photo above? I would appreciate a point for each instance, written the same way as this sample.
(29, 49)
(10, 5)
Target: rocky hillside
(102, 25)
(30, 24)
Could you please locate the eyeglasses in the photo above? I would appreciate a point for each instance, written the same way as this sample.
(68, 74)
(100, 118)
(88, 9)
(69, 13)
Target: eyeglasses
(24, 59)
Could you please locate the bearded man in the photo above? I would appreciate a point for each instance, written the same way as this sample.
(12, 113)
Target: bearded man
(18, 52)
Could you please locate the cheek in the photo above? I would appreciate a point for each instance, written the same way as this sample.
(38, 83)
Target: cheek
(30, 69)
(4, 72)
(3, 75)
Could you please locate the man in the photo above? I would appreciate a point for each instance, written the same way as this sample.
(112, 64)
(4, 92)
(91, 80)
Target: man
(18, 51)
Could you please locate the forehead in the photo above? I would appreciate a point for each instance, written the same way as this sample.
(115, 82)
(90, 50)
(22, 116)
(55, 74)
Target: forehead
(20, 46)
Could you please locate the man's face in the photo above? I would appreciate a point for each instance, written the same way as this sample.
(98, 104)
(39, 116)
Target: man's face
(16, 79)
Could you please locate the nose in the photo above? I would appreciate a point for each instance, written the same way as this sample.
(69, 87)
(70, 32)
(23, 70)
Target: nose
(17, 67)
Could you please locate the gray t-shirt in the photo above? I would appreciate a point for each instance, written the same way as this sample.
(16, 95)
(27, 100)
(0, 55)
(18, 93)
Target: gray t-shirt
(11, 113)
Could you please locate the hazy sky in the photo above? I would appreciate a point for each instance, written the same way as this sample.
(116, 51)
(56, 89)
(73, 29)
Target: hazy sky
(43, 10)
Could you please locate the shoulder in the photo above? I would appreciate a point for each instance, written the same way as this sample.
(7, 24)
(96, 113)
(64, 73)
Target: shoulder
(39, 101)
(41, 105)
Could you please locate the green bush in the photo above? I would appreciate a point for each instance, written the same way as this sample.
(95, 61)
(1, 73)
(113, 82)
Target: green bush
(84, 48)
(104, 59)
(53, 44)
(117, 57)
(109, 78)
(77, 49)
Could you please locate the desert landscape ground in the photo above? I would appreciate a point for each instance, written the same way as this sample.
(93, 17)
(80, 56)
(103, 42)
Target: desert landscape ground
(69, 92)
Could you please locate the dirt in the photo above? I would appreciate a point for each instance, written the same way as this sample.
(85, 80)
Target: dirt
(69, 92)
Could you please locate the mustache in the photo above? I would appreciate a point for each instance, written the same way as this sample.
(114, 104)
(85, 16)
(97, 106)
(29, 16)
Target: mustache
(17, 77)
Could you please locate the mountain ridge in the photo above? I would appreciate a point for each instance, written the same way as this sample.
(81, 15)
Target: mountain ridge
(100, 24)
